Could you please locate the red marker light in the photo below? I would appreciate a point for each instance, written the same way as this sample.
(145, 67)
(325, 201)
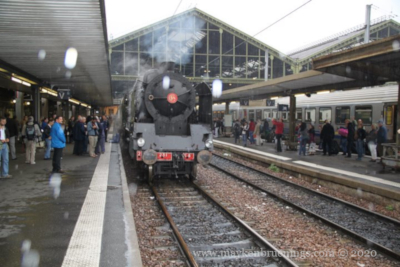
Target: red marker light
(172, 98)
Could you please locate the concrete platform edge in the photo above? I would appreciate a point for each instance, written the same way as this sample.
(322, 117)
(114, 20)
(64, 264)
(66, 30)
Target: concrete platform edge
(346, 181)
(134, 257)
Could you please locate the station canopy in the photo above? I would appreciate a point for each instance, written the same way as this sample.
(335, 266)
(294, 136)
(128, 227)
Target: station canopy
(35, 36)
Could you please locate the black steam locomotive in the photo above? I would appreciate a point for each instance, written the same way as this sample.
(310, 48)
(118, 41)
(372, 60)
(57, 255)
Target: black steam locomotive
(166, 134)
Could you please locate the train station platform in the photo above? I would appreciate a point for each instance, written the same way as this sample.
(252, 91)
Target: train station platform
(354, 172)
(82, 217)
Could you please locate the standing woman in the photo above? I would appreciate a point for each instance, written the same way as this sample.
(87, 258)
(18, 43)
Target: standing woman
(372, 141)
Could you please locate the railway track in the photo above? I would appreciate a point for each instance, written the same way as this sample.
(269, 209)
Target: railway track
(375, 230)
(208, 233)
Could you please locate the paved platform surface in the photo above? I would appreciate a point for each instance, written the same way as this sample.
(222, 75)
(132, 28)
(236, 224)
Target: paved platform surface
(364, 170)
(81, 215)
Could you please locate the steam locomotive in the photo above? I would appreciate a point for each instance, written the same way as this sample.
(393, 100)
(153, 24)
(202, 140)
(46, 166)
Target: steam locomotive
(166, 133)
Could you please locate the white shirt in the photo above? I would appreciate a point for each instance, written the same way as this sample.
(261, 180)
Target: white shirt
(2, 134)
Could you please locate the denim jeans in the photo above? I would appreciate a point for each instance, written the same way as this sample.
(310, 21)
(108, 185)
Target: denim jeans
(251, 136)
(360, 148)
(303, 145)
(47, 154)
(343, 144)
(4, 160)
(244, 138)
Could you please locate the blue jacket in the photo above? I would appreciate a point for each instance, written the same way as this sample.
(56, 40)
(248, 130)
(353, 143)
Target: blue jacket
(382, 135)
(57, 136)
(91, 131)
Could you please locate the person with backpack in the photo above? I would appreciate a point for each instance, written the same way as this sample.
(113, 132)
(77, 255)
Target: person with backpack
(236, 131)
(47, 138)
(31, 134)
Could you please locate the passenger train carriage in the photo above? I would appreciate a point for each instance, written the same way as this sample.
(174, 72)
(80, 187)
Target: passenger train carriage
(165, 132)
(369, 104)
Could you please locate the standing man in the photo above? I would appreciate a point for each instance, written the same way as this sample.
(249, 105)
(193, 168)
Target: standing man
(47, 138)
(278, 133)
(58, 143)
(31, 134)
(79, 136)
(327, 135)
(381, 137)
(12, 128)
(350, 137)
(4, 139)
(93, 132)
(106, 124)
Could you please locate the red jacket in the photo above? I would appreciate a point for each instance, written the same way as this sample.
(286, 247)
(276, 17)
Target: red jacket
(279, 127)
(252, 126)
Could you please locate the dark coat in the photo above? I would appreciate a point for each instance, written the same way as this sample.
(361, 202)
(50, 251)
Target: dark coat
(79, 131)
(350, 129)
(12, 127)
(327, 133)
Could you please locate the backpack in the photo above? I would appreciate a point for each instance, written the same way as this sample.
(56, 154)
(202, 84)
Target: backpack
(335, 148)
(236, 128)
(30, 132)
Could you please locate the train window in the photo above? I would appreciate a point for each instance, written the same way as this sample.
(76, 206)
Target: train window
(267, 114)
(285, 116)
(389, 115)
(251, 114)
(299, 114)
(258, 114)
(310, 114)
(342, 113)
(365, 114)
(325, 114)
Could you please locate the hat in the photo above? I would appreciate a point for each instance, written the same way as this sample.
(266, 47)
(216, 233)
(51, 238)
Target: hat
(380, 121)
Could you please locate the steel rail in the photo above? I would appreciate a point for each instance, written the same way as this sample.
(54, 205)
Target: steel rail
(356, 236)
(221, 207)
(245, 225)
(346, 203)
(178, 235)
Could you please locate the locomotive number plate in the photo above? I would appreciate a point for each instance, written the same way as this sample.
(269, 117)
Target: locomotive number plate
(164, 156)
(188, 156)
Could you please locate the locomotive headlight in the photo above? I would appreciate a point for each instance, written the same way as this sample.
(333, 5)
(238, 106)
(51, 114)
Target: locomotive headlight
(141, 142)
(209, 143)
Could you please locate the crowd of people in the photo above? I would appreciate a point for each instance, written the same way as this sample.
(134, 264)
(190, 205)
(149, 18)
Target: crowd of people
(353, 132)
(88, 135)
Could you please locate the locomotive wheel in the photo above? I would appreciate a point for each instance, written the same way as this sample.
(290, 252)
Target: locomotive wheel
(150, 175)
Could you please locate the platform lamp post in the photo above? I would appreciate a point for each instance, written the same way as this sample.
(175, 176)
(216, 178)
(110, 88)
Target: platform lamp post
(292, 118)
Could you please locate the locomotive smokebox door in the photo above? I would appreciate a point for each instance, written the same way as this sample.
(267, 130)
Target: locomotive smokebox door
(170, 107)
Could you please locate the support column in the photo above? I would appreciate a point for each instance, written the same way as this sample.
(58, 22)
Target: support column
(59, 108)
(227, 103)
(398, 116)
(45, 107)
(36, 102)
(19, 106)
(292, 119)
